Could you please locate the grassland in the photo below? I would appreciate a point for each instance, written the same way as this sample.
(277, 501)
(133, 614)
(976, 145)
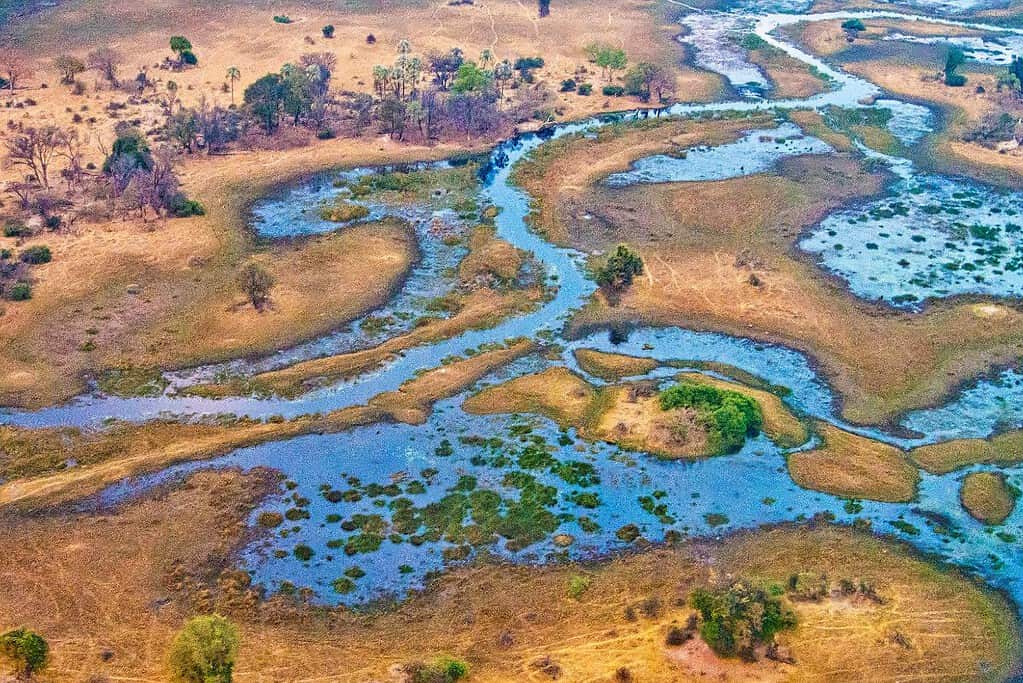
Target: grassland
(853, 466)
(612, 366)
(710, 266)
(940, 458)
(508, 622)
(987, 497)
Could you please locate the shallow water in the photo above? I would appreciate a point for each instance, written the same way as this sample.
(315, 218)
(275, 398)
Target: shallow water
(735, 487)
(756, 152)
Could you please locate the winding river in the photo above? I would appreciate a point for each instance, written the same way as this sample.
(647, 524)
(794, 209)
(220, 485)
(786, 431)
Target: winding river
(699, 498)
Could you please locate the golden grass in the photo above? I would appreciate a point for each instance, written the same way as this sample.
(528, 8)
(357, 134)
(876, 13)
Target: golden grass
(986, 497)
(941, 458)
(557, 393)
(853, 466)
(491, 256)
(126, 450)
(505, 620)
(612, 366)
(780, 425)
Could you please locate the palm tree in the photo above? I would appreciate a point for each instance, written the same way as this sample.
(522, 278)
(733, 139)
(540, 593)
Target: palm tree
(233, 74)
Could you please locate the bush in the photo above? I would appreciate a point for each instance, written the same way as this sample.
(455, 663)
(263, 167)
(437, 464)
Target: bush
(188, 57)
(613, 90)
(325, 134)
(26, 649)
(328, 31)
(955, 80)
(444, 670)
(16, 228)
(36, 254)
(204, 650)
(282, 18)
(20, 291)
(585, 89)
(578, 585)
(739, 618)
(728, 415)
(854, 25)
(568, 85)
(617, 274)
(183, 207)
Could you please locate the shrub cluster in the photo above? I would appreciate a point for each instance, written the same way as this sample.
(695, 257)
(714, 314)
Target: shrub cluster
(728, 415)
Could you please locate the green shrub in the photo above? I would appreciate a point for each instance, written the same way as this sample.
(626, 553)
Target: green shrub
(20, 291)
(613, 90)
(585, 89)
(444, 670)
(728, 416)
(16, 228)
(578, 585)
(328, 31)
(282, 18)
(737, 619)
(853, 25)
(622, 266)
(26, 649)
(36, 254)
(204, 650)
(183, 207)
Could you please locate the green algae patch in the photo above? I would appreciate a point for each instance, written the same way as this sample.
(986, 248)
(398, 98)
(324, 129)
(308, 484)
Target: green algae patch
(853, 466)
(987, 497)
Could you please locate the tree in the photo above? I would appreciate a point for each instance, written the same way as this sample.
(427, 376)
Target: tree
(470, 78)
(182, 47)
(360, 109)
(204, 650)
(953, 60)
(445, 66)
(13, 67)
(256, 283)
(233, 75)
(646, 79)
(853, 27)
(35, 150)
(105, 60)
(68, 67)
(328, 31)
(617, 273)
(26, 649)
(130, 150)
(265, 99)
(607, 58)
(544, 7)
(1016, 69)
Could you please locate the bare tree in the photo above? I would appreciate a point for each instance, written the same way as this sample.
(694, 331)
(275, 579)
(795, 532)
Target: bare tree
(106, 61)
(256, 283)
(35, 150)
(71, 151)
(13, 67)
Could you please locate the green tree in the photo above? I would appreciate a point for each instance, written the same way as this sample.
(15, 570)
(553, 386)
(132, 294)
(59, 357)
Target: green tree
(853, 26)
(204, 650)
(738, 618)
(26, 649)
(233, 76)
(608, 58)
(1016, 69)
(69, 67)
(616, 275)
(328, 31)
(179, 45)
(265, 100)
(953, 60)
(470, 78)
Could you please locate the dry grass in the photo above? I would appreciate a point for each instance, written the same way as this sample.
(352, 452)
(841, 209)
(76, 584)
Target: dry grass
(986, 497)
(854, 467)
(612, 366)
(66, 577)
(699, 255)
(490, 257)
(944, 457)
(557, 393)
